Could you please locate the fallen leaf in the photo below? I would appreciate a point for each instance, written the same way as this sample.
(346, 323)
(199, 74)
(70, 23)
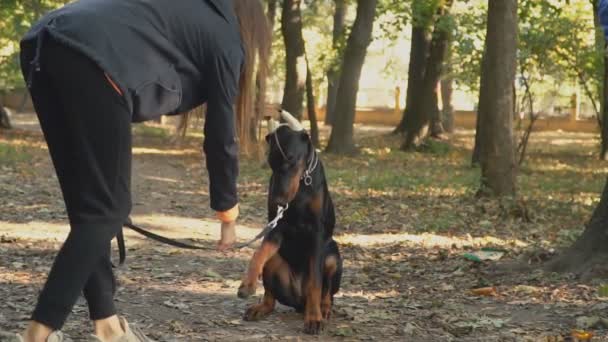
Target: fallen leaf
(485, 291)
(180, 306)
(582, 335)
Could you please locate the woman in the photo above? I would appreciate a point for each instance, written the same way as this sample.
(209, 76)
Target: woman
(95, 66)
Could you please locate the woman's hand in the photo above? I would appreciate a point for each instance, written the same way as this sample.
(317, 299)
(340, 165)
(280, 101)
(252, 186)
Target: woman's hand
(228, 219)
(228, 236)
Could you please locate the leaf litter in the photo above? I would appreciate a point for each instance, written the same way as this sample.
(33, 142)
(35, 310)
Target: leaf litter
(414, 284)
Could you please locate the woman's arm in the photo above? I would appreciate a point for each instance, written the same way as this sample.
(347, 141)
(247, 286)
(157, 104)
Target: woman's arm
(220, 143)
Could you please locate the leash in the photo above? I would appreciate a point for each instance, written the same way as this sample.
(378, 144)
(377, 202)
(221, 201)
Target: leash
(122, 253)
(306, 177)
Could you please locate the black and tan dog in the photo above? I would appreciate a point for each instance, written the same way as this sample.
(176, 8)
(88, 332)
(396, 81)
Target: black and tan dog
(299, 262)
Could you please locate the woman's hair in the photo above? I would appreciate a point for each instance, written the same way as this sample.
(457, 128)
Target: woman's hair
(256, 39)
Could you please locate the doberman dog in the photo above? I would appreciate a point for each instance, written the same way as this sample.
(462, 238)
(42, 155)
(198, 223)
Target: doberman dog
(299, 261)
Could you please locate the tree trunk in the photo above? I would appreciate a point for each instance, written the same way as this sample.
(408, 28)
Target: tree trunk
(5, 118)
(295, 58)
(419, 50)
(420, 116)
(437, 129)
(604, 111)
(311, 107)
(600, 45)
(333, 74)
(447, 90)
(475, 157)
(495, 114)
(260, 82)
(590, 251)
(341, 139)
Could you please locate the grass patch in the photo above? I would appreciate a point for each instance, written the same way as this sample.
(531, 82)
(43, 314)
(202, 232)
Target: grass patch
(10, 154)
(149, 131)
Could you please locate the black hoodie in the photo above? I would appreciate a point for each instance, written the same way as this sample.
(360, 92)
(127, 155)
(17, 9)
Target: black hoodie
(167, 57)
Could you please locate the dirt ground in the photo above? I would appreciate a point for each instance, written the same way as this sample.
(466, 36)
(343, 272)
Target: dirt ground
(403, 242)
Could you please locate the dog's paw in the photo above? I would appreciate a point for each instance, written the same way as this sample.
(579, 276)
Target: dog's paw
(246, 290)
(313, 327)
(256, 312)
(326, 312)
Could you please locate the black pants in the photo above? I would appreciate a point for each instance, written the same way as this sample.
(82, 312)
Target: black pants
(87, 127)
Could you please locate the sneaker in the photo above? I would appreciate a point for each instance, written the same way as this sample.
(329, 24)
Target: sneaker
(55, 336)
(132, 334)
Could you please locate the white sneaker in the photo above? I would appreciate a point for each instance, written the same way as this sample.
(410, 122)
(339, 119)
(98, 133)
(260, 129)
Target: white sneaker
(132, 334)
(55, 336)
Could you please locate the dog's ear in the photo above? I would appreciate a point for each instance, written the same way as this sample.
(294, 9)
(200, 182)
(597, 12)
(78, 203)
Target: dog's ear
(304, 136)
(267, 138)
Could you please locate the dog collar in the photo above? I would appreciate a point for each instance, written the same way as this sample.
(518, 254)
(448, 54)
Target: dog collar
(314, 161)
(311, 165)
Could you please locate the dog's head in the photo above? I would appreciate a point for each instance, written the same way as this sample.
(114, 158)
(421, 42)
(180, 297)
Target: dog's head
(289, 151)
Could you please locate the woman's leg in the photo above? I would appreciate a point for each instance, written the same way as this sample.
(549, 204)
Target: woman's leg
(100, 288)
(87, 128)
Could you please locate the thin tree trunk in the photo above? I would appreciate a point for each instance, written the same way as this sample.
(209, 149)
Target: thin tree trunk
(600, 45)
(525, 138)
(447, 108)
(419, 118)
(437, 129)
(419, 51)
(604, 121)
(295, 58)
(475, 156)
(447, 90)
(495, 115)
(312, 109)
(341, 139)
(5, 118)
(333, 74)
(260, 82)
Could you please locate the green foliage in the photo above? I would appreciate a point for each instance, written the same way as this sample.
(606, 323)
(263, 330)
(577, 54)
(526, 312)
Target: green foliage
(467, 44)
(17, 17)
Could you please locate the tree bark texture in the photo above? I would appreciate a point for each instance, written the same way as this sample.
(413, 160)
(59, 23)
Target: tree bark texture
(341, 139)
(495, 114)
(295, 58)
(333, 74)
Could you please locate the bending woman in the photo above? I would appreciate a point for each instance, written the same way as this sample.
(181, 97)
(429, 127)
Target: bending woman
(95, 66)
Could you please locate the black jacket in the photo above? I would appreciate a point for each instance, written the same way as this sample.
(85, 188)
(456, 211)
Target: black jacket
(167, 57)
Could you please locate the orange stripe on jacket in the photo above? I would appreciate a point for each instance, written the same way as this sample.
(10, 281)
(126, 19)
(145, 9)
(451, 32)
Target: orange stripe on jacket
(113, 84)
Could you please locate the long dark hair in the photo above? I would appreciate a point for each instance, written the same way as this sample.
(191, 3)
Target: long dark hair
(256, 39)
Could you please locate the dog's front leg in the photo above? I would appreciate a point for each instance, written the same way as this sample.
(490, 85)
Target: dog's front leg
(312, 311)
(267, 249)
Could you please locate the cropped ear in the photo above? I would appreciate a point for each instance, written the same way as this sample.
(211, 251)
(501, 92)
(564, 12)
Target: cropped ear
(268, 138)
(304, 136)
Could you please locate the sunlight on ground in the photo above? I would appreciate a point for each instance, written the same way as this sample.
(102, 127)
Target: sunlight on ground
(193, 228)
(164, 152)
(425, 240)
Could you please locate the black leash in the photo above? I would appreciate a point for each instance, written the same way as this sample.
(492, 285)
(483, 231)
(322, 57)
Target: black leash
(122, 252)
